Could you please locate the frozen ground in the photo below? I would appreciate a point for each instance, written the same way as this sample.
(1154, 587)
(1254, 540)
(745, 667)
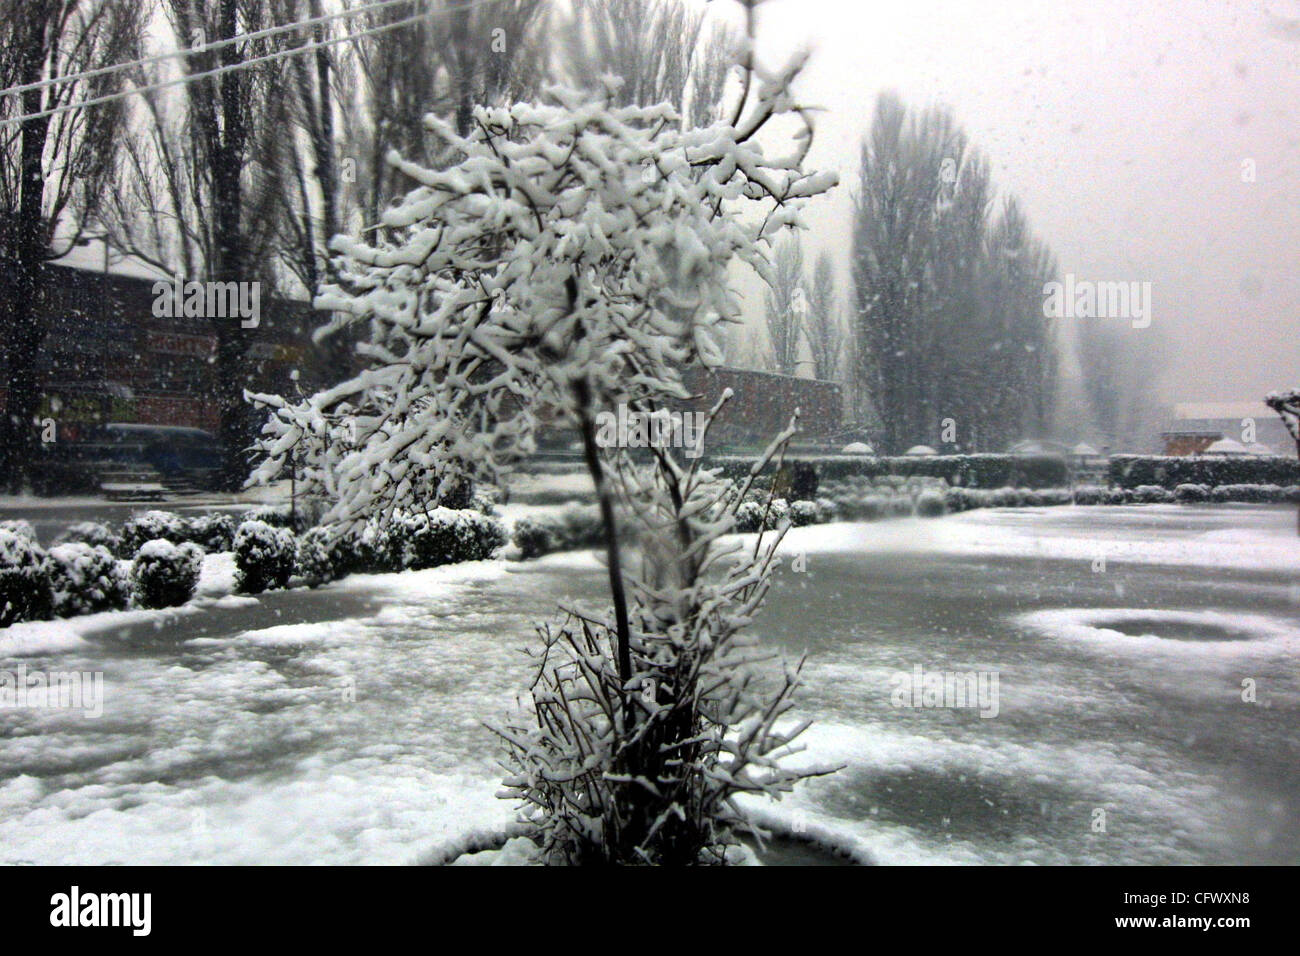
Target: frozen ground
(343, 725)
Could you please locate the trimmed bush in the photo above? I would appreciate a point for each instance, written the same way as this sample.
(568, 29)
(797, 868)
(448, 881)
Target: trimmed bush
(24, 579)
(151, 526)
(1090, 495)
(94, 534)
(969, 471)
(86, 579)
(804, 513)
(264, 557)
(166, 574)
(21, 527)
(1131, 471)
(533, 538)
(316, 559)
(1152, 495)
(930, 504)
(212, 532)
(1189, 493)
(277, 516)
(1249, 494)
(446, 536)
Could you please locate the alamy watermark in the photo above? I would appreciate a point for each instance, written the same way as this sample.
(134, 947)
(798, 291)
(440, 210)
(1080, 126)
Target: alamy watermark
(629, 428)
(209, 300)
(951, 690)
(1085, 299)
(53, 690)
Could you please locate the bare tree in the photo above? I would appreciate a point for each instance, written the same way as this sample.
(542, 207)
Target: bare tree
(785, 307)
(824, 329)
(53, 172)
(665, 51)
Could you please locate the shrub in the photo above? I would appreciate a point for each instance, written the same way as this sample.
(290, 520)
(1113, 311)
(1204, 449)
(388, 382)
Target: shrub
(826, 510)
(264, 556)
(1189, 493)
(1152, 495)
(24, 579)
(20, 527)
(1090, 495)
(970, 471)
(166, 574)
(446, 536)
(277, 516)
(151, 526)
(803, 513)
(1250, 493)
(1130, 471)
(1118, 496)
(86, 579)
(92, 533)
(533, 538)
(1291, 494)
(316, 560)
(930, 504)
(212, 532)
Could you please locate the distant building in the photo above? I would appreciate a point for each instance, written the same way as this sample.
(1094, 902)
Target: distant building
(107, 357)
(1193, 428)
(763, 402)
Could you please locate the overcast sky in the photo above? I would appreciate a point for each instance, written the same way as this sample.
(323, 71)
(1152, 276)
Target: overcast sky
(1122, 126)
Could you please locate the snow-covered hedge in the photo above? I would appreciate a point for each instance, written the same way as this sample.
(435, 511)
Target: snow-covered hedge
(20, 527)
(317, 560)
(277, 516)
(446, 536)
(24, 579)
(92, 533)
(151, 526)
(930, 504)
(968, 471)
(212, 532)
(573, 528)
(1249, 493)
(264, 556)
(85, 579)
(1191, 493)
(1130, 471)
(165, 574)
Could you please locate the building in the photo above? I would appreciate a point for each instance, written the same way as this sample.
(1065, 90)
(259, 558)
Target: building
(1194, 427)
(107, 357)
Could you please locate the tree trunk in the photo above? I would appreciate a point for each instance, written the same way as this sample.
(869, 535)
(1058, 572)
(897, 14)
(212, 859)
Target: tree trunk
(23, 329)
(587, 425)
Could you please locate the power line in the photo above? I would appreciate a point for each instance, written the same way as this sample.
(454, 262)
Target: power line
(243, 64)
(205, 48)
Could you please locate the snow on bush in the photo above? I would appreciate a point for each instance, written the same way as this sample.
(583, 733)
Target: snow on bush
(92, 533)
(151, 526)
(277, 516)
(577, 527)
(1130, 471)
(1152, 495)
(212, 532)
(804, 513)
(930, 504)
(533, 537)
(24, 579)
(447, 536)
(165, 574)
(264, 557)
(1248, 494)
(1189, 493)
(21, 527)
(316, 561)
(1089, 495)
(85, 579)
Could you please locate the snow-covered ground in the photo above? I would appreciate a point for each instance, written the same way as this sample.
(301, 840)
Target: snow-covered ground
(344, 725)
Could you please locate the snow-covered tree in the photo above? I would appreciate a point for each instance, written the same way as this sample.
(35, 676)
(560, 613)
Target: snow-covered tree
(574, 259)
